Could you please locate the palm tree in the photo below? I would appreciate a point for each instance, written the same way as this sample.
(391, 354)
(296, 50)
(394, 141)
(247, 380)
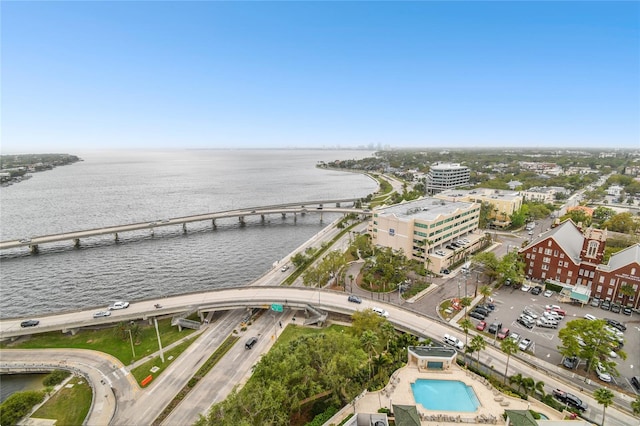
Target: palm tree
(528, 384)
(477, 344)
(627, 291)
(509, 347)
(369, 341)
(466, 302)
(517, 379)
(635, 405)
(604, 397)
(466, 325)
(539, 387)
(485, 291)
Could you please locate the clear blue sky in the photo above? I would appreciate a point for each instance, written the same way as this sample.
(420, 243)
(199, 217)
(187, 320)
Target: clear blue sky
(313, 74)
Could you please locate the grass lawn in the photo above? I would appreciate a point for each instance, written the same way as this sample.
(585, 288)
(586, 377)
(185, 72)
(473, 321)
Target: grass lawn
(105, 340)
(292, 332)
(69, 406)
(143, 370)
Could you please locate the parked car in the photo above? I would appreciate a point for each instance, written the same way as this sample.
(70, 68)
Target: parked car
(525, 287)
(477, 315)
(507, 282)
(380, 312)
(590, 317)
(526, 321)
(483, 311)
(615, 308)
(100, 314)
(503, 333)
(546, 323)
(595, 302)
(635, 381)
(524, 344)
(605, 305)
(617, 324)
(494, 327)
(453, 341)
(481, 325)
(548, 293)
(570, 399)
(29, 323)
(118, 305)
(514, 336)
(445, 271)
(602, 374)
(285, 268)
(570, 362)
(529, 312)
(439, 252)
(355, 299)
(626, 310)
(536, 290)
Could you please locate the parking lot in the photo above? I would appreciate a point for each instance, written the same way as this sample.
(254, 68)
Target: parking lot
(510, 303)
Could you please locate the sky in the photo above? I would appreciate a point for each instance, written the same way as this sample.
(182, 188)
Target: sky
(158, 74)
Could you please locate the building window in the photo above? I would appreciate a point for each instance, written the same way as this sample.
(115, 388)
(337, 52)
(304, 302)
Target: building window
(592, 251)
(548, 252)
(609, 292)
(599, 288)
(581, 271)
(612, 281)
(555, 253)
(528, 255)
(633, 271)
(591, 274)
(544, 267)
(549, 243)
(558, 271)
(561, 255)
(570, 273)
(601, 280)
(546, 260)
(566, 264)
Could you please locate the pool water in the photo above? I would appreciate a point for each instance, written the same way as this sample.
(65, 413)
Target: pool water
(445, 395)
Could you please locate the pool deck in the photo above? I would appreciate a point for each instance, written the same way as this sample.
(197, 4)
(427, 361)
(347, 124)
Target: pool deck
(492, 403)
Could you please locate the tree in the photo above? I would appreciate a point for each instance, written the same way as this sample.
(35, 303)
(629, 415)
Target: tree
(627, 291)
(369, 340)
(509, 347)
(604, 397)
(517, 379)
(589, 340)
(466, 325)
(485, 291)
(477, 344)
(511, 267)
(622, 222)
(466, 302)
(489, 261)
(635, 405)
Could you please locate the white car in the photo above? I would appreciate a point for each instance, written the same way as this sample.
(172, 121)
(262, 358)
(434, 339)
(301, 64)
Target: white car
(380, 312)
(453, 341)
(284, 268)
(525, 287)
(602, 373)
(119, 305)
(552, 307)
(101, 314)
(548, 293)
(524, 344)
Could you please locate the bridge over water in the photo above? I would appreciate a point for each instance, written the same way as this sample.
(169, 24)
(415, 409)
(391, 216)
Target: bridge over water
(304, 207)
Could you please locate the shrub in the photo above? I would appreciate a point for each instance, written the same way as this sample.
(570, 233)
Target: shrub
(18, 405)
(55, 377)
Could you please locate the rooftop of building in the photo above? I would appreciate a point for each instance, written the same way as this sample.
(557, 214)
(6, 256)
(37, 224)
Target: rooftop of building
(623, 258)
(447, 166)
(426, 209)
(500, 194)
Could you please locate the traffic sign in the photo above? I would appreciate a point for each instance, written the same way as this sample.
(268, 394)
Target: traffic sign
(276, 307)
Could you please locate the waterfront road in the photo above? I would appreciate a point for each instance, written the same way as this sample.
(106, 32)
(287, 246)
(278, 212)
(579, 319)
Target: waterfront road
(105, 374)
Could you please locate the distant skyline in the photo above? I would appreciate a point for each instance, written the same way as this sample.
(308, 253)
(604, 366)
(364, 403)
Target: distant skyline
(80, 76)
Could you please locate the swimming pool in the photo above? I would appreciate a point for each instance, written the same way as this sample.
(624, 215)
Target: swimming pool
(445, 395)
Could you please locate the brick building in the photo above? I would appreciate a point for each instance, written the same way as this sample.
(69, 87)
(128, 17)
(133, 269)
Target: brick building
(571, 256)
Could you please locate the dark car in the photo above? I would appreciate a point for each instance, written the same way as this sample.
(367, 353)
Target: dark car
(570, 399)
(354, 299)
(570, 362)
(605, 305)
(483, 311)
(635, 381)
(526, 322)
(250, 343)
(536, 290)
(617, 324)
(494, 327)
(445, 271)
(29, 323)
(615, 308)
(626, 310)
(477, 315)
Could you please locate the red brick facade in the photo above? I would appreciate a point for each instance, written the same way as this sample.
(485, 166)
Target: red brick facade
(570, 256)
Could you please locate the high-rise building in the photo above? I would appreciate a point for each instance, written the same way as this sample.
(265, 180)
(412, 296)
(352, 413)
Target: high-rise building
(447, 175)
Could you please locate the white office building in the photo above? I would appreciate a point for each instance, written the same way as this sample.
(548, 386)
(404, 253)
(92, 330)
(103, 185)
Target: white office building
(445, 176)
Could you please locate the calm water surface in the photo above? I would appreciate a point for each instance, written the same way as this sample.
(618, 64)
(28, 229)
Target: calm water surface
(112, 188)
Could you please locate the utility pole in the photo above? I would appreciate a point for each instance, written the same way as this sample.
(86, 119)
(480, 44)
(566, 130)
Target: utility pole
(131, 340)
(155, 323)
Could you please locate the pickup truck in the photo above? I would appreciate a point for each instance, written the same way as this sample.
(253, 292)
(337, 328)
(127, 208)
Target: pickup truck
(570, 399)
